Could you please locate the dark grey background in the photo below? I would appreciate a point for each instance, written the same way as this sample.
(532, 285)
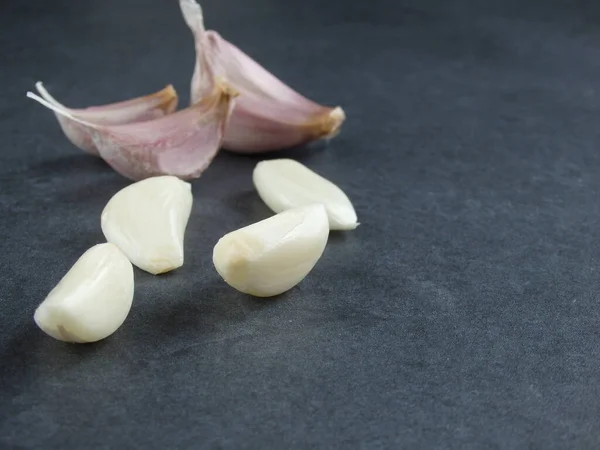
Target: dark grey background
(463, 313)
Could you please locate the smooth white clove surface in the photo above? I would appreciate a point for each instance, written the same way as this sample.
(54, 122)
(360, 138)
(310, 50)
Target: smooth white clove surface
(92, 300)
(147, 221)
(140, 109)
(284, 183)
(270, 257)
(268, 115)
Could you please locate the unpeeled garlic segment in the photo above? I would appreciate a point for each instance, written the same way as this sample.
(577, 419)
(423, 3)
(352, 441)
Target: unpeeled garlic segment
(271, 256)
(147, 221)
(284, 183)
(182, 144)
(139, 109)
(268, 115)
(92, 300)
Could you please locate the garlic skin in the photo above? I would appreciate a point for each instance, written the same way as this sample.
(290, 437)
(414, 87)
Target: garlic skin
(138, 109)
(92, 300)
(268, 115)
(182, 144)
(284, 183)
(147, 221)
(270, 257)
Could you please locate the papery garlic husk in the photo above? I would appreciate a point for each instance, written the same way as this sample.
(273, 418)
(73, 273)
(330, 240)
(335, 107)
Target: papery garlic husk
(268, 115)
(139, 109)
(182, 144)
(270, 257)
(147, 221)
(284, 183)
(92, 300)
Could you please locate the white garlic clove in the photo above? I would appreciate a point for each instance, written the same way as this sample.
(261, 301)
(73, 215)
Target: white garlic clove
(284, 183)
(147, 221)
(92, 300)
(270, 257)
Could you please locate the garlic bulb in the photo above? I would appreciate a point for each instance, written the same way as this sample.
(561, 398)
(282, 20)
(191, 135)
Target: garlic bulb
(147, 221)
(139, 109)
(92, 300)
(284, 183)
(271, 256)
(268, 115)
(181, 144)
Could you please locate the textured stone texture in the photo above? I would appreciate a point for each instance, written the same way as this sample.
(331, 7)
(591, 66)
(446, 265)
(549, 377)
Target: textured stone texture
(462, 314)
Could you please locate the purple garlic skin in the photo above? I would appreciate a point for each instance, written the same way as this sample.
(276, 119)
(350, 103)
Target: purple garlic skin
(139, 109)
(268, 114)
(181, 144)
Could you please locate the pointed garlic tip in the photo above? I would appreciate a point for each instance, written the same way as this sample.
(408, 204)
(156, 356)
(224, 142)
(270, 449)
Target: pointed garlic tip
(192, 14)
(92, 300)
(78, 124)
(270, 257)
(147, 221)
(284, 183)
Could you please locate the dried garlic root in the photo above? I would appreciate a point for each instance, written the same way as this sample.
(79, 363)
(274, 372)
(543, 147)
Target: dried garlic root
(270, 257)
(92, 300)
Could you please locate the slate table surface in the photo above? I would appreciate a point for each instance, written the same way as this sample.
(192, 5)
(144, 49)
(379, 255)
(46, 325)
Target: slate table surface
(463, 313)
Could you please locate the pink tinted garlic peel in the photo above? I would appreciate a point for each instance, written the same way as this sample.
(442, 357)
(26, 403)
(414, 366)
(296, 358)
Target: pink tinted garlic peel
(139, 109)
(181, 144)
(268, 115)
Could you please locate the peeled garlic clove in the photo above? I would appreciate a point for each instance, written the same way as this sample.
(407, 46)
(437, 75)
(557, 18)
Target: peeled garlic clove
(284, 183)
(271, 256)
(147, 221)
(268, 115)
(182, 144)
(139, 109)
(92, 300)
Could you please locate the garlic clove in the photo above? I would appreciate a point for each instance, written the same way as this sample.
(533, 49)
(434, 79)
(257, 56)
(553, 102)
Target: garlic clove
(270, 257)
(139, 109)
(147, 221)
(284, 183)
(182, 144)
(92, 300)
(268, 115)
